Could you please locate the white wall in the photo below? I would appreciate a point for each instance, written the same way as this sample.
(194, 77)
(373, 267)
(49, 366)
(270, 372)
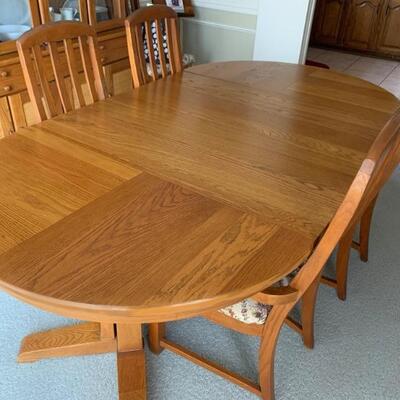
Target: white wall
(283, 29)
(222, 30)
(239, 6)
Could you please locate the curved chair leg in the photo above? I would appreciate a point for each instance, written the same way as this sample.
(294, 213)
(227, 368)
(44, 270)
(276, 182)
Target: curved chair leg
(342, 264)
(308, 303)
(156, 333)
(268, 344)
(365, 228)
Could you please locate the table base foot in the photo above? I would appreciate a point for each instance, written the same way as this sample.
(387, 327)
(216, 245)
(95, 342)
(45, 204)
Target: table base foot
(131, 362)
(132, 375)
(77, 340)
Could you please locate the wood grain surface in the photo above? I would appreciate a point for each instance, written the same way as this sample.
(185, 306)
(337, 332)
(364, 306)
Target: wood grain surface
(41, 184)
(146, 248)
(279, 153)
(242, 172)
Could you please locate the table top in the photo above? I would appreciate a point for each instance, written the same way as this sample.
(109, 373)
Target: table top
(184, 195)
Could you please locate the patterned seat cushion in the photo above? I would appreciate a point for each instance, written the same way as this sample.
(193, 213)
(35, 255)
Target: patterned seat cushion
(250, 311)
(188, 59)
(155, 44)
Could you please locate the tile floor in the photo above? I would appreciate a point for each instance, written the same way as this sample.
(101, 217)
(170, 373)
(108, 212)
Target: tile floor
(385, 73)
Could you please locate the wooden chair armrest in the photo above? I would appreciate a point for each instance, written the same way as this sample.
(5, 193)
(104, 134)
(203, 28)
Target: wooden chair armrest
(277, 295)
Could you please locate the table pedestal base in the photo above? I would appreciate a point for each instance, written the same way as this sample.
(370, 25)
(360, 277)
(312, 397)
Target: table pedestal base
(94, 338)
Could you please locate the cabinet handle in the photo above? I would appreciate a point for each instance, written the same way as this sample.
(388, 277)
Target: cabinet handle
(3, 74)
(103, 59)
(7, 88)
(102, 47)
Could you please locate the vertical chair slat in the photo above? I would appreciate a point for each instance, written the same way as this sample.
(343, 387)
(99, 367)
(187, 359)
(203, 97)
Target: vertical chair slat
(160, 40)
(150, 48)
(32, 86)
(168, 30)
(73, 71)
(99, 79)
(44, 83)
(175, 38)
(62, 89)
(87, 69)
(139, 41)
(133, 55)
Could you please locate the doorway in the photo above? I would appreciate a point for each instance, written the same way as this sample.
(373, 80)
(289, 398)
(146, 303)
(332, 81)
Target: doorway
(359, 38)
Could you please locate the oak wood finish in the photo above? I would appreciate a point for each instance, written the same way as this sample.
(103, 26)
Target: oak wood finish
(70, 341)
(274, 83)
(389, 134)
(117, 11)
(327, 25)
(35, 14)
(30, 50)
(112, 46)
(362, 22)
(365, 228)
(388, 38)
(46, 178)
(131, 363)
(17, 111)
(211, 366)
(240, 151)
(303, 130)
(194, 229)
(369, 26)
(6, 122)
(165, 19)
(375, 170)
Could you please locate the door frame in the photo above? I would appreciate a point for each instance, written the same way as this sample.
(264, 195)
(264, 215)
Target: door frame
(307, 31)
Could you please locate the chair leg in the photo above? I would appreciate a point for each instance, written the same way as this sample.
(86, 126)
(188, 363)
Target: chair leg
(308, 303)
(268, 344)
(342, 264)
(156, 333)
(365, 228)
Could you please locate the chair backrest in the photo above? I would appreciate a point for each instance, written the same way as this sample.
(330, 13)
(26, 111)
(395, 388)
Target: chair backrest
(376, 169)
(72, 47)
(153, 34)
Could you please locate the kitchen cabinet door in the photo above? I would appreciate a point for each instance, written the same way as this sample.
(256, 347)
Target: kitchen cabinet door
(327, 22)
(361, 24)
(389, 29)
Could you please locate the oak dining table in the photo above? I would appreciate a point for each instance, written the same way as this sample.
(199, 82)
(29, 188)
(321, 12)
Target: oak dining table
(180, 197)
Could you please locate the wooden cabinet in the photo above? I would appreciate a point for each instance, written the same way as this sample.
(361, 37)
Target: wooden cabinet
(52, 10)
(328, 21)
(389, 32)
(361, 24)
(371, 26)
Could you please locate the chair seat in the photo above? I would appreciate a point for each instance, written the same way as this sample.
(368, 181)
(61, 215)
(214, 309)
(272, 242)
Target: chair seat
(250, 311)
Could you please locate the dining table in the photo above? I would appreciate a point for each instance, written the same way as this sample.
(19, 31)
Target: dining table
(180, 197)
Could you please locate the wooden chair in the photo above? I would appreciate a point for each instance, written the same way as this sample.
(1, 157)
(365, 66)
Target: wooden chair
(72, 48)
(158, 42)
(278, 301)
(343, 255)
(345, 245)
